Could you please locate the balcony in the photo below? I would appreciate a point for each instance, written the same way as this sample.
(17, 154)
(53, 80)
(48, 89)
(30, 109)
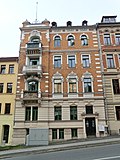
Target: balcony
(29, 96)
(33, 48)
(32, 69)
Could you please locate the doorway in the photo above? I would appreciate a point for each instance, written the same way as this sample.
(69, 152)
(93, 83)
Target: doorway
(5, 133)
(90, 126)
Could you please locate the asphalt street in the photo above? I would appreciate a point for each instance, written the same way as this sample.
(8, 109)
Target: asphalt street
(107, 152)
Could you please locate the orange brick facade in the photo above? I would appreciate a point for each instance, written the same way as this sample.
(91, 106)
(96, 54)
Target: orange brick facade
(65, 77)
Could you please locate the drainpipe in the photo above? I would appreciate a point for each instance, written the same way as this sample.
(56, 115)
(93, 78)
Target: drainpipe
(104, 89)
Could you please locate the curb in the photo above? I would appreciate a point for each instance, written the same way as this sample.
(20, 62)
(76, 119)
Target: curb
(54, 149)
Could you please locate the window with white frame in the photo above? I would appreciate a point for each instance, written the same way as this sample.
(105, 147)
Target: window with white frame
(73, 112)
(117, 38)
(71, 61)
(33, 85)
(72, 85)
(3, 69)
(84, 40)
(57, 86)
(110, 61)
(58, 133)
(87, 85)
(57, 61)
(57, 83)
(107, 40)
(58, 113)
(34, 61)
(86, 61)
(71, 41)
(57, 41)
(31, 113)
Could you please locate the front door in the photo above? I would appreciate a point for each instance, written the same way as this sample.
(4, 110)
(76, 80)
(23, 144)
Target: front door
(6, 133)
(90, 126)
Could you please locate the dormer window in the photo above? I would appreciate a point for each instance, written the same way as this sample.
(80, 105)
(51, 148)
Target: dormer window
(71, 41)
(108, 19)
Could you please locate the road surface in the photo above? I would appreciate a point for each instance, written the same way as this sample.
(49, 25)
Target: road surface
(107, 152)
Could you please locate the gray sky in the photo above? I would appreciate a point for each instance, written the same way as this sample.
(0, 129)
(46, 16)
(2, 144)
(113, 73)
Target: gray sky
(14, 12)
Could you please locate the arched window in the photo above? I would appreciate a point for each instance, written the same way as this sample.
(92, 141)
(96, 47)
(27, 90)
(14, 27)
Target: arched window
(84, 40)
(33, 85)
(57, 41)
(35, 39)
(71, 41)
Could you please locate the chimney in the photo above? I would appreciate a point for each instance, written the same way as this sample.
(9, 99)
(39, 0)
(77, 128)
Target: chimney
(54, 24)
(84, 23)
(69, 23)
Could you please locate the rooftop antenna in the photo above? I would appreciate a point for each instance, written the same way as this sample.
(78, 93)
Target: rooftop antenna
(36, 12)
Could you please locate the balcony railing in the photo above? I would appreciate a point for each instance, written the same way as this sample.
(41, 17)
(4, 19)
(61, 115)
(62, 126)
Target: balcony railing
(33, 48)
(30, 94)
(32, 69)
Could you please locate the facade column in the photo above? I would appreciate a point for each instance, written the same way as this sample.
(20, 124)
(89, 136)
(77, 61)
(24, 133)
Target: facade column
(97, 131)
(84, 128)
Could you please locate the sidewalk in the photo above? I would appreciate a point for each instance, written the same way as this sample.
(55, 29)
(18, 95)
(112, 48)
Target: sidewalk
(66, 146)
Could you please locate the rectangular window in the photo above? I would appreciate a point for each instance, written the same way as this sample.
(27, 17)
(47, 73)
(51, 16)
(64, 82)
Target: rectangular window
(1, 87)
(61, 133)
(34, 113)
(31, 113)
(11, 69)
(74, 132)
(28, 113)
(87, 85)
(72, 86)
(110, 61)
(54, 133)
(9, 87)
(107, 40)
(71, 61)
(116, 88)
(85, 61)
(117, 39)
(3, 68)
(57, 61)
(34, 62)
(57, 113)
(73, 112)
(0, 107)
(57, 86)
(89, 109)
(118, 112)
(7, 108)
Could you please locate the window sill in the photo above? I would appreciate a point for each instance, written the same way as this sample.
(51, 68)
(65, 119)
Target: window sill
(89, 94)
(73, 94)
(57, 95)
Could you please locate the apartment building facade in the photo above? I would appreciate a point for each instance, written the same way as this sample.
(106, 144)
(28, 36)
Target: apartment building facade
(109, 43)
(8, 80)
(59, 91)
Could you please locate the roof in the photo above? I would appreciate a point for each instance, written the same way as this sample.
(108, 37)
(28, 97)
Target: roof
(8, 59)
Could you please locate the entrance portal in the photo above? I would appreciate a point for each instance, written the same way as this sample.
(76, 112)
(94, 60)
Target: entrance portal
(90, 126)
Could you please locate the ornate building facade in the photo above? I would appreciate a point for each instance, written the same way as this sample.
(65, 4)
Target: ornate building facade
(59, 91)
(109, 43)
